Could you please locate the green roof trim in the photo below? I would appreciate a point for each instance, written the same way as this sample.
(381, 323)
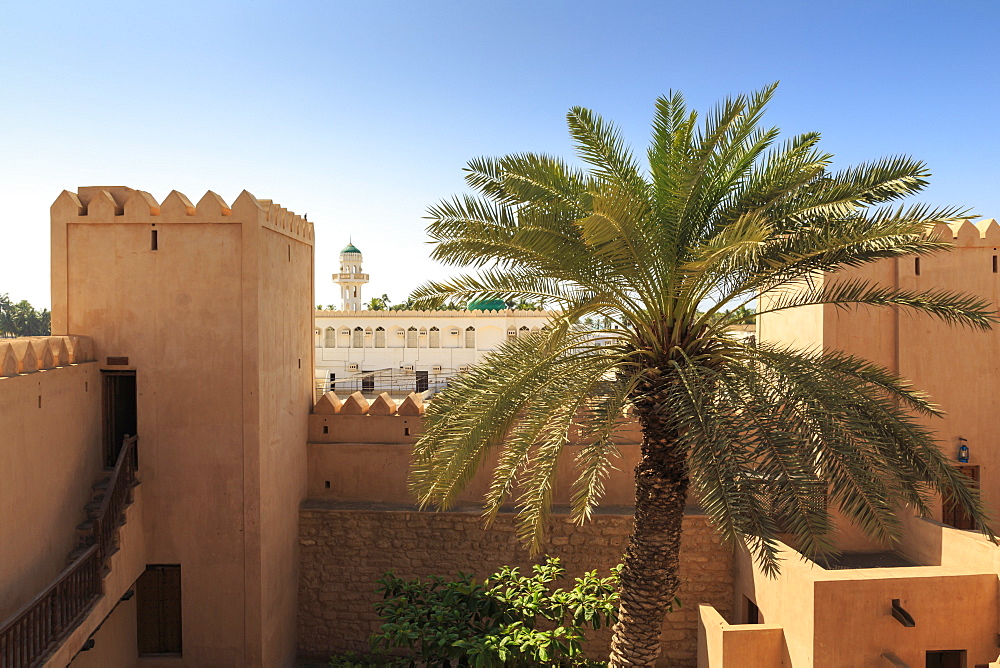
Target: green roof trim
(350, 248)
(487, 305)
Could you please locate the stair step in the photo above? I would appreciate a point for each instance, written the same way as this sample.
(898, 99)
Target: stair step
(87, 526)
(75, 554)
(101, 484)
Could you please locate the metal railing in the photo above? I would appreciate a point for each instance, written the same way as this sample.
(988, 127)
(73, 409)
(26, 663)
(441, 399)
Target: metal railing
(29, 635)
(386, 380)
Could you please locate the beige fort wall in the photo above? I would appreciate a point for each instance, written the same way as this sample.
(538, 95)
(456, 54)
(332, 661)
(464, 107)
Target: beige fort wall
(725, 645)
(839, 618)
(359, 522)
(50, 455)
(366, 457)
(216, 323)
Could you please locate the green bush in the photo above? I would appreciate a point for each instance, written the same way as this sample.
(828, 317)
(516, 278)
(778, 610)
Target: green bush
(509, 620)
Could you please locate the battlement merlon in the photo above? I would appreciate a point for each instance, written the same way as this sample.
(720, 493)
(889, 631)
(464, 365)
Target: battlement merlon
(965, 233)
(117, 205)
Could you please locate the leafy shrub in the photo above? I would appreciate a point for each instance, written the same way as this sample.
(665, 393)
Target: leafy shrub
(510, 620)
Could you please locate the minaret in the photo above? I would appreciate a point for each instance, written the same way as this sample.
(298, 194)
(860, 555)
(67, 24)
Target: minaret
(350, 278)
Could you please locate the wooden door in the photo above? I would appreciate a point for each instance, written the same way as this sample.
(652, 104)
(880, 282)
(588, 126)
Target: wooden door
(951, 513)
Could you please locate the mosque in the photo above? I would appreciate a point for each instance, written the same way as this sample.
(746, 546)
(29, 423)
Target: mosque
(402, 351)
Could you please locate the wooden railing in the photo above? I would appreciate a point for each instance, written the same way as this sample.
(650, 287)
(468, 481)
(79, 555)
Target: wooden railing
(116, 498)
(31, 633)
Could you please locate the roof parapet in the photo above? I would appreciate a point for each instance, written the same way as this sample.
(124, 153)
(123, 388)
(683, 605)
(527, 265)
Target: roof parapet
(95, 204)
(37, 353)
(382, 406)
(965, 233)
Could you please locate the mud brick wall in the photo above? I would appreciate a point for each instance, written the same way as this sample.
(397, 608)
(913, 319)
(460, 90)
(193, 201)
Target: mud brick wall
(345, 549)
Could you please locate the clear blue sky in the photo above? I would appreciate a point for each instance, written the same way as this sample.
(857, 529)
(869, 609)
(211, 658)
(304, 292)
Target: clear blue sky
(362, 114)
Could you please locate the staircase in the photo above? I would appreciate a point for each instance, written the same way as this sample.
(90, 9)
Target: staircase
(85, 530)
(38, 628)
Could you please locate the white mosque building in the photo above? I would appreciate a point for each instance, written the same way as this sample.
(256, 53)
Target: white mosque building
(405, 351)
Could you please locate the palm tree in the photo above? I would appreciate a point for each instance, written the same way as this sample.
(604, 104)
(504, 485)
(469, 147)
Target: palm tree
(6, 322)
(378, 303)
(669, 257)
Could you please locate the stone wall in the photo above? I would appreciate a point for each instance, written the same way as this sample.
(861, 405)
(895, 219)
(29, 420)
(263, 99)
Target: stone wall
(345, 548)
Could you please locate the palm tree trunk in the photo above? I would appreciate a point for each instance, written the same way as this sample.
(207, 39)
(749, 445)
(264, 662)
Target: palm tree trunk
(650, 578)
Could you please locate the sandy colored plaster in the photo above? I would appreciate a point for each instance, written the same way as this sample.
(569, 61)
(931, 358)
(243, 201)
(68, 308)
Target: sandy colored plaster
(328, 404)
(383, 405)
(356, 404)
(412, 406)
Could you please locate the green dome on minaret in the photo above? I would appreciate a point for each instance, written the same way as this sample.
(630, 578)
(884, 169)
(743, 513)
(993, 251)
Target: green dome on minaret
(351, 248)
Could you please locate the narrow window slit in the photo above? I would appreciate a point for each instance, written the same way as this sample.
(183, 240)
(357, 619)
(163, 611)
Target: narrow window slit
(994, 264)
(916, 266)
(153, 241)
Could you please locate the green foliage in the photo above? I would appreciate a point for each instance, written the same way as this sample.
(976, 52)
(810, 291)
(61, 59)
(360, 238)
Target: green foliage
(647, 266)
(378, 303)
(509, 620)
(352, 660)
(21, 319)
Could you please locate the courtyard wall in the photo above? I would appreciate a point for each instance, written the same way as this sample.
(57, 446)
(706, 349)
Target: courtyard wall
(346, 547)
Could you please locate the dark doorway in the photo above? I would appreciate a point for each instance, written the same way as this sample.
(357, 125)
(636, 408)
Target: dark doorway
(946, 658)
(421, 381)
(119, 412)
(951, 513)
(158, 610)
(368, 383)
(752, 612)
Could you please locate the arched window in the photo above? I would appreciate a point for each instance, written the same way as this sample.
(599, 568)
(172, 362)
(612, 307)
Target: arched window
(398, 338)
(411, 337)
(368, 337)
(470, 337)
(345, 338)
(523, 331)
(423, 338)
(511, 333)
(330, 339)
(380, 337)
(358, 340)
(434, 339)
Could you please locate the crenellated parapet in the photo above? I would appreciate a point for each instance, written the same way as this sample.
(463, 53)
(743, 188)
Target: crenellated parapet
(37, 353)
(356, 404)
(965, 233)
(280, 219)
(114, 205)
